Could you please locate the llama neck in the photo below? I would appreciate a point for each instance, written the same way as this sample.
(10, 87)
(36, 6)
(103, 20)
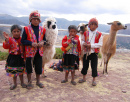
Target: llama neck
(112, 37)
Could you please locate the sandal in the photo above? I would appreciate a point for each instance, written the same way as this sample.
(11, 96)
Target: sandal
(73, 82)
(23, 85)
(13, 87)
(44, 76)
(81, 81)
(29, 86)
(64, 81)
(94, 83)
(40, 85)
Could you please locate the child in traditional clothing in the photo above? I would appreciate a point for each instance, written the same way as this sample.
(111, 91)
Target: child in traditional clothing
(92, 41)
(33, 38)
(15, 63)
(72, 47)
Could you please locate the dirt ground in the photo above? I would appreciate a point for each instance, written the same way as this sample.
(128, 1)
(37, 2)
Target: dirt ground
(110, 88)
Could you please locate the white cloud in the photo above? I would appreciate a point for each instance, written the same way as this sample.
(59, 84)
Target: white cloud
(103, 10)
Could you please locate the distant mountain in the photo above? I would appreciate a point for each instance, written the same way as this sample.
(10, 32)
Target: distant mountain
(62, 23)
(7, 19)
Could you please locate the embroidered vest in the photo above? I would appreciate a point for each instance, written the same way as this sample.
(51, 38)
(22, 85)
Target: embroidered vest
(97, 37)
(29, 50)
(72, 48)
(12, 45)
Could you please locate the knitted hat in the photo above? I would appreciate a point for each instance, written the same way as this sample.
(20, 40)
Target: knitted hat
(93, 20)
(34, 14)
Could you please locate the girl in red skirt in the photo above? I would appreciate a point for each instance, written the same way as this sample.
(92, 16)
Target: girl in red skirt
(15, 63)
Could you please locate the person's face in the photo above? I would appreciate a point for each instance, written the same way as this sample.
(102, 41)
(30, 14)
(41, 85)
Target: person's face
(72, 32)
(93, 26)
(35, 21)
(16, 33)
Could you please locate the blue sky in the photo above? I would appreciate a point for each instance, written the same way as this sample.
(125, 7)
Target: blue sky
(104, 10)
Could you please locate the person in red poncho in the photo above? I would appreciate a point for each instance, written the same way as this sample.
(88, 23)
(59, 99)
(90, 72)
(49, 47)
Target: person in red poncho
(15, 63)
(33, 38)
(72, 49)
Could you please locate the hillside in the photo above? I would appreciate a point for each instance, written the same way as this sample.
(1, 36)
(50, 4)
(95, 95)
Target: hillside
(62, 23)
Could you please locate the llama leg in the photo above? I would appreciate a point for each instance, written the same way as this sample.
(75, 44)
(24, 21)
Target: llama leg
(43, 74)
(105, 60)
(104, 67)
(101, 62)
(108, 58)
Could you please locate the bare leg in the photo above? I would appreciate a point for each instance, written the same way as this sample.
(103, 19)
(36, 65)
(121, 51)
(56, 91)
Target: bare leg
(22, 81)
(29, 86)
(72, 80)
(66, 78)
(94, 82)
(83, 80)
(94, 78)
(72, 74)
(15, 83)
(29, 78)
(38, 78)
(84, 77)
(38, 81)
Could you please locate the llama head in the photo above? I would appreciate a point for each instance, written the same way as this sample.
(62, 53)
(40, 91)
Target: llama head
(82, 27)
(116, 25)
(50, 23)
(51, 30)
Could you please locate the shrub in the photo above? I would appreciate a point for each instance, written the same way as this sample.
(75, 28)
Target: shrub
(58, 54)
(99, 55)
(3, 55)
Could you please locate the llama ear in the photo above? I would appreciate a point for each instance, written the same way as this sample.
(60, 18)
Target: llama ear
(48, 23)
(86, 25)
(110, 23)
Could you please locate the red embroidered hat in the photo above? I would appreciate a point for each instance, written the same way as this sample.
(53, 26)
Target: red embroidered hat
(93, 20)
(34, 14)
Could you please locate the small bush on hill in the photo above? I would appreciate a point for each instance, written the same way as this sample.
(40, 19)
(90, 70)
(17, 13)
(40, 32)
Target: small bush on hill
(58, 54)
(3, 55)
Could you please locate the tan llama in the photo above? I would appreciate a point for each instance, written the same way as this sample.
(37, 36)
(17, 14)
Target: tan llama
(108, 48)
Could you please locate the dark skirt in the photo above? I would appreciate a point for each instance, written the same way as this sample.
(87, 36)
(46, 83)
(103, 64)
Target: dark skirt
(14, 65)
(70, 62)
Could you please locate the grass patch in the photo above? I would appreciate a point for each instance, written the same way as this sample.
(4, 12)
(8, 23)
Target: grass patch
(99, 55)
(3, 55)
(58, 54)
